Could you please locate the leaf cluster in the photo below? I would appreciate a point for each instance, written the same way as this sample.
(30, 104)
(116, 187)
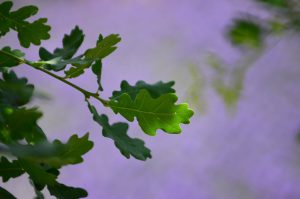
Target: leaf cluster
(24, 146)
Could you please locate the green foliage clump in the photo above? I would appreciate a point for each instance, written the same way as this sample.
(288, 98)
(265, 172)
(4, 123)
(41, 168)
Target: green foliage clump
(24, 146)
(246, 33)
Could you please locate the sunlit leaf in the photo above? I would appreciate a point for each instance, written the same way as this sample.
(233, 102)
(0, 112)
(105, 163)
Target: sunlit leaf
(152, 114)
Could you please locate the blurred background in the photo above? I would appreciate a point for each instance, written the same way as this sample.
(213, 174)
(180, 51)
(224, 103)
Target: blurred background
(236, 62)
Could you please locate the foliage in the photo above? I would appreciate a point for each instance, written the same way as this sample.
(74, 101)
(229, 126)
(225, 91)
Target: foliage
(24, 146)
(251, 34)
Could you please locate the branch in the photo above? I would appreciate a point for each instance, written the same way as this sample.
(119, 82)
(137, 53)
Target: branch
(39, 66)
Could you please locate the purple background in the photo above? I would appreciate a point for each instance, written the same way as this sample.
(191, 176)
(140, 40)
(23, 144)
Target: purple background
(249, 152)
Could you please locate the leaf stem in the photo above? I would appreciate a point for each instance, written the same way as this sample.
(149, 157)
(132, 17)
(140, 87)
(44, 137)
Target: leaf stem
(86, 93)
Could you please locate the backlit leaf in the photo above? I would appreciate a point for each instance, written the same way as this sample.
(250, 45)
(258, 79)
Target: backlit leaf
(152, 114)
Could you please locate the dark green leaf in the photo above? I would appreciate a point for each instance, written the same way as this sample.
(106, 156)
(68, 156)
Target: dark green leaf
(10, 58)
(74, 72)
(155, 90)
(103, 48)
(152, 114)
(275, 3)
(97, 66)
(34, 33)
(14, 91)
(55, 154)
(5, 194)
(58, 64)
(118, 133)
(37, 174)
(97, 70)
(78, 69)
(71, 44)
(4, 13)
(9, 169)
(62, 191)
(28, 32)
(246, 33)
(22, 123)
(37, 190)
(24, 13)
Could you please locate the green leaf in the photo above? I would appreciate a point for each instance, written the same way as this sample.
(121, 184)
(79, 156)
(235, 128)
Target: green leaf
(55, 154)
(37, 174)
(118, 133)
(62, 191)
(74, 72)
(9, 169)
(22, 123)
(34, 33)
(24, 13)
(28, 32)
(275, 3)
(71, 44)
(97, 70)
(5, 194)
(246, 33)
(152, 114)
(79, 68)
(58, 64)
(10, 58)
(229, 94)
(155, 90)
(4, 13)
(14, 91)
(103, 48)
(38, 193)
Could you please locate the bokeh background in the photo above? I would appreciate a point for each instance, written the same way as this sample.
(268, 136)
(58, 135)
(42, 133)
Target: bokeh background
(245, 148)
